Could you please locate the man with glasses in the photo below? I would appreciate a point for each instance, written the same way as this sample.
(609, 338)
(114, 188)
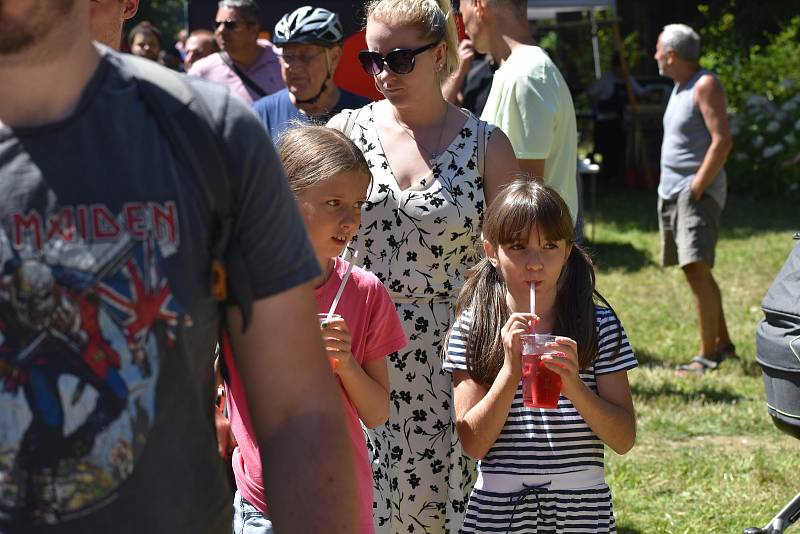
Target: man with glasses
(311, 41)
(245, 64)
(529, 99)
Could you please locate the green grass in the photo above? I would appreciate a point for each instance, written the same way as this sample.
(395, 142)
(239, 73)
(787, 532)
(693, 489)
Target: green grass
(707, 458)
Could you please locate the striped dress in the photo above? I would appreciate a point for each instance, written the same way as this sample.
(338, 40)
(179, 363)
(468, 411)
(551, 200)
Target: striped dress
(545, 471)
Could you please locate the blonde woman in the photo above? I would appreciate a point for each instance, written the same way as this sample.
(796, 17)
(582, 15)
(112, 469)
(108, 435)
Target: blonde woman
(435, 167)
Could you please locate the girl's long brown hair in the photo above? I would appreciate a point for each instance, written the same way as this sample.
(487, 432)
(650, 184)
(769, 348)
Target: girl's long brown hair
(518, 207)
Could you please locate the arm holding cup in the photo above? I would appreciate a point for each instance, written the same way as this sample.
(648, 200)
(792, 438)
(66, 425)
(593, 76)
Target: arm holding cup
(609, 413)
(367, 386)
(482, 411)
(296, 414)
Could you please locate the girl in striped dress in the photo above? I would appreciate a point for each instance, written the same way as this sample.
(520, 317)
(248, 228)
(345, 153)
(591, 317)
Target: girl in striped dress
(540, 470)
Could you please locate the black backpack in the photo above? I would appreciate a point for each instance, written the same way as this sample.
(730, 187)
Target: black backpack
(196, 142)
(778, 342)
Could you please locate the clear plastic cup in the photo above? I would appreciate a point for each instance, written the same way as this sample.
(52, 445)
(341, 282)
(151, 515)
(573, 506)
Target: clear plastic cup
(541, 387)
(322, 318)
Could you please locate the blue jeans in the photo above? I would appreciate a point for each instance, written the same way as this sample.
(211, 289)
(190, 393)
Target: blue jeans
(247, 519)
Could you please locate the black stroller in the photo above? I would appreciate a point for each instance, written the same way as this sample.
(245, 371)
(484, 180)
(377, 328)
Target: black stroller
(778, 353)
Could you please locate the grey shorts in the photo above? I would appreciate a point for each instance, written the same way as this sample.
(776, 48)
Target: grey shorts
(689, 229)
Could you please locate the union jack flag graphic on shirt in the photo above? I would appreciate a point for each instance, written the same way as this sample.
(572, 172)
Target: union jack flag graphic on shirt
(87, 317)
(138, 295)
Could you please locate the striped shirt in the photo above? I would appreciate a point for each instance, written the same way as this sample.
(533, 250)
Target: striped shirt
(548, 441)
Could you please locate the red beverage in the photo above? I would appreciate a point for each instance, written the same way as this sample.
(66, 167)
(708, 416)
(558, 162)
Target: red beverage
(541, 387)
(322, 318)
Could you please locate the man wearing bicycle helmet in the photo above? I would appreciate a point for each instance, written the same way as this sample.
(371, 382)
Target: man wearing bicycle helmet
(311, 39)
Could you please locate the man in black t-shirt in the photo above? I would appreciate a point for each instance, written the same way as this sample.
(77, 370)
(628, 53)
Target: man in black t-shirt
(107, 322)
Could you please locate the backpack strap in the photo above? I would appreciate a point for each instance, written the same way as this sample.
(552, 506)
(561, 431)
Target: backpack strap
(482, 142)
(190, 128)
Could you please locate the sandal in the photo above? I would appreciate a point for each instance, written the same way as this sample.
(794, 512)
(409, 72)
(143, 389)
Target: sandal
(705, 364)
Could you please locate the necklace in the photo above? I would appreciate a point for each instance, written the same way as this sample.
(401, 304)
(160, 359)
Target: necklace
(433, 155)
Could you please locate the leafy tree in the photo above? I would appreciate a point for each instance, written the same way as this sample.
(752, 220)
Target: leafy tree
(762, 82)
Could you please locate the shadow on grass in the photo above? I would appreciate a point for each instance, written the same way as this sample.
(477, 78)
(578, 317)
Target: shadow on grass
(648, 359)
(617, 255)
(627, 208)
(742, 217)
(746, 366)
(628, 530)
(750, 367)
(675, 390)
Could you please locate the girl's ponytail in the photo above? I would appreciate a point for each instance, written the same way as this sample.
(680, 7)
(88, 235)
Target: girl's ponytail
(484, 294)
(575, 306)
(575, 310)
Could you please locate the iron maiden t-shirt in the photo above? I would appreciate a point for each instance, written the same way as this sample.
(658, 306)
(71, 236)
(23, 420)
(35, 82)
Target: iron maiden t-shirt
(107, 324)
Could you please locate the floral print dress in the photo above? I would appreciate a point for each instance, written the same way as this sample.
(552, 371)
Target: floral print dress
(420, 242)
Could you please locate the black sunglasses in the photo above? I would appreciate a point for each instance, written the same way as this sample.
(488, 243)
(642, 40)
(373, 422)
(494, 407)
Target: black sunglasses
(228, 23)
(400, 60)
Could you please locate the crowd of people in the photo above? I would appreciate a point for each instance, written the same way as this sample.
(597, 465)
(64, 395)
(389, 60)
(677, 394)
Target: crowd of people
(247, 272)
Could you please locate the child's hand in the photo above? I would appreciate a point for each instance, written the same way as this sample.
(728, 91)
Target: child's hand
(565, 363)
(517, 324)
(226, 441)
(336, 338)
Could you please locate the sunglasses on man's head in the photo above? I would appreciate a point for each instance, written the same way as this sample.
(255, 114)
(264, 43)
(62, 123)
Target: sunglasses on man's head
(400, 60)
(228, 23)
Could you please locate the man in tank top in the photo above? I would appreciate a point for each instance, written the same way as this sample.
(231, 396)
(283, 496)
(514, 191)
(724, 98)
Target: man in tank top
(693, 186)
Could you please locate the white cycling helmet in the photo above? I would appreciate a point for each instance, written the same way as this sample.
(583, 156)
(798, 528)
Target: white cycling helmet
(309, 25)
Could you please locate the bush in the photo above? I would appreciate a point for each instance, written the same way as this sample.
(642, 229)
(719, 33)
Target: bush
(763, 102)
(766, 134)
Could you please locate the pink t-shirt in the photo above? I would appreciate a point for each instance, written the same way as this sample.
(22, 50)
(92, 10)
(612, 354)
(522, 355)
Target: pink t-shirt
(266, 72)
(376, 332)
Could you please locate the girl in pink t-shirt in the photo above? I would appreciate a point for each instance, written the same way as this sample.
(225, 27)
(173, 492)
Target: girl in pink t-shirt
(329, 178)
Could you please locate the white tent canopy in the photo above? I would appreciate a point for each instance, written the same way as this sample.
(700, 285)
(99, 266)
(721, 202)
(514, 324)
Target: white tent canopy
(547, 9)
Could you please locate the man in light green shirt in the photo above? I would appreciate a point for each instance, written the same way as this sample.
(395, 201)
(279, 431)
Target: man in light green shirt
(529, 99)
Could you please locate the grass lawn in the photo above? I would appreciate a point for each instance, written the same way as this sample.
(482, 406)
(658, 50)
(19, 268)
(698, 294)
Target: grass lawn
(707, 457)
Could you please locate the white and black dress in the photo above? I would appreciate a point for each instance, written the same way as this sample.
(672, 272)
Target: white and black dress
(420, 241)
(544, 473)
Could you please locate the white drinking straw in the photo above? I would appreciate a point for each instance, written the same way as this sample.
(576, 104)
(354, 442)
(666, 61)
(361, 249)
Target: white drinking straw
(341, 286)
(533, 301)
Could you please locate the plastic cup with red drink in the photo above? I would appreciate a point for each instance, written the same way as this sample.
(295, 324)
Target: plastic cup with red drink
(541, 387)
(323, 323)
